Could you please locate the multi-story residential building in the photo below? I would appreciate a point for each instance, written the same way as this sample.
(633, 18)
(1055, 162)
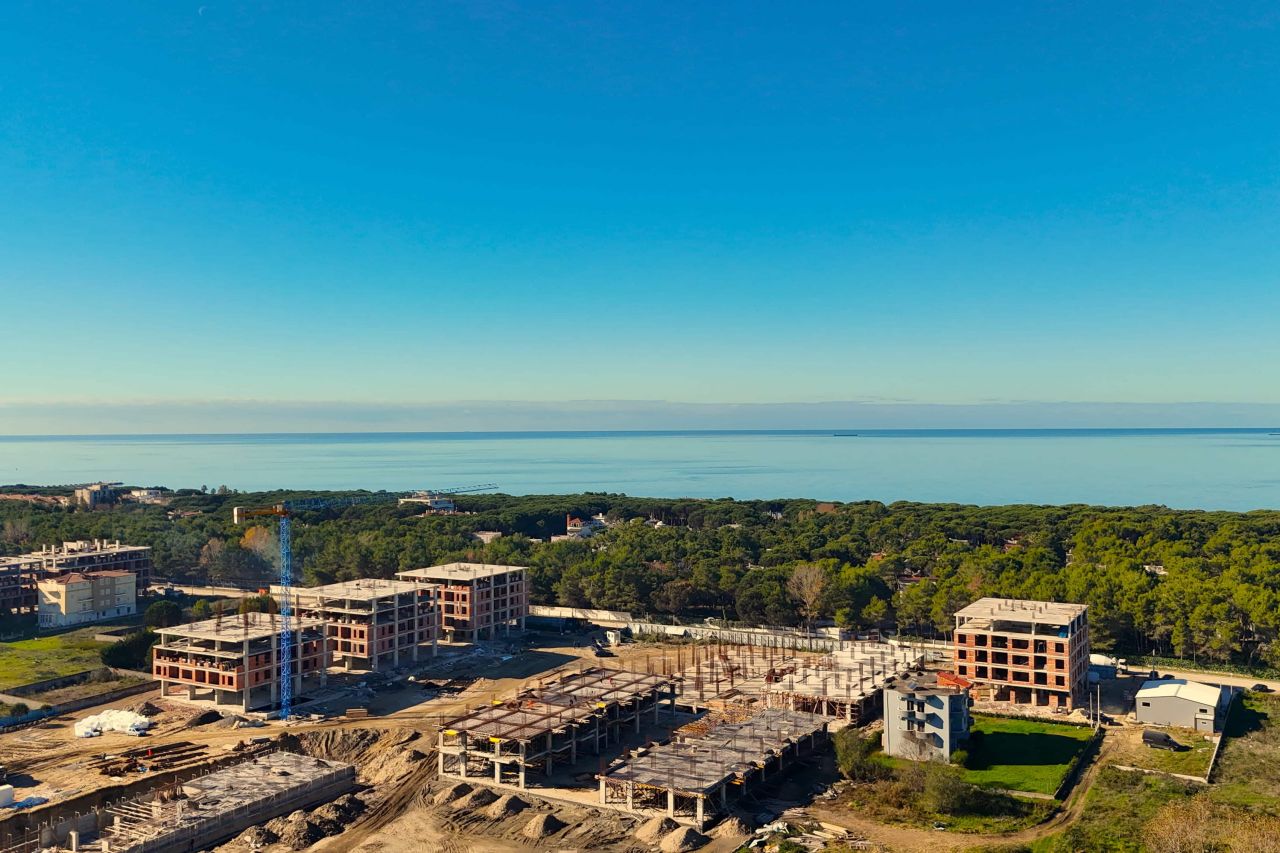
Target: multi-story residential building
(76, 598)
(476, 601)
(235, 660)
(96, 555)
(97, 494)
(18, 585)
(926, 716)
(1025, 652)
(372, 623)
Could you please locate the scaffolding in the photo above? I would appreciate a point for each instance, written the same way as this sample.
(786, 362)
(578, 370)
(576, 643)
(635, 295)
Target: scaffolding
(691, 777)
(552, 724)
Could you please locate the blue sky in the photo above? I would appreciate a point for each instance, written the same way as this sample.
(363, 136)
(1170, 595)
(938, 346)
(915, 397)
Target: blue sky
(729, 203)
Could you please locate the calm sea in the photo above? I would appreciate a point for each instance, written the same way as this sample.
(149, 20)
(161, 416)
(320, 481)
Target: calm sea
(1209, 469)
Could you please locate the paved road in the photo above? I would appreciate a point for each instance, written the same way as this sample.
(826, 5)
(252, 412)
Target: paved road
(1218, 678)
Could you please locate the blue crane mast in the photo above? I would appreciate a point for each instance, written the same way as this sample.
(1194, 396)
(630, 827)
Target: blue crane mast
(284, 511)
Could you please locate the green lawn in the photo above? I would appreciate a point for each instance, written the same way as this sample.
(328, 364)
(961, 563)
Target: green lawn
(25, 661)
(1022, 755)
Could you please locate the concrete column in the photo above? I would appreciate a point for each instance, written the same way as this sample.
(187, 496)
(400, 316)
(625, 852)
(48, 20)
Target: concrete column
(497, 771)
(701, 807)
(631, 796)
(462, 756)
(522, 774)
(671, 803)
(602, 794)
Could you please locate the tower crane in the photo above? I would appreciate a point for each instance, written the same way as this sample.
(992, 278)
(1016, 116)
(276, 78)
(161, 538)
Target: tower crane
(285, 511)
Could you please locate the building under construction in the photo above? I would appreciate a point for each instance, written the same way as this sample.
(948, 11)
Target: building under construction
(845, 684)
(235, 660)
(372, 624)
(205, 811)
(708, 763)
(553, 725)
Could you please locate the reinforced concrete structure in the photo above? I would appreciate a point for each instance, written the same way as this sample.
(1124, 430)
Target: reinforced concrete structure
(692, 777)
(95, 555)
(18, 577)
(235, 660)
(372, 624)
(844, 684)
(1025, 652)
(77, 598)
(476, 600)
(537, 729)
(207, 810)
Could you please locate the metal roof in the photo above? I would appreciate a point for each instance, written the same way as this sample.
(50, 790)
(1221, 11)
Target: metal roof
(1180, 688)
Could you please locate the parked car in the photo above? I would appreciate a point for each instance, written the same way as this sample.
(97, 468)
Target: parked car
(1261, 688)
(1161, 740)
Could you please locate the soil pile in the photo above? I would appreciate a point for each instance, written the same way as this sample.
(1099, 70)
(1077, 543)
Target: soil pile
(506, 806)
(543, 825)
(731, 827)
(655, 829)
(380, 757)
(256, 837)
(451, 793)
(683, 840)
(477, 798)
(334, 817)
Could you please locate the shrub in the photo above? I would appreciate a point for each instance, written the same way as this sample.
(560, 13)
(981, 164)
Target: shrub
(857, 758)
(133, 652)
(960, 758)
(162, 614)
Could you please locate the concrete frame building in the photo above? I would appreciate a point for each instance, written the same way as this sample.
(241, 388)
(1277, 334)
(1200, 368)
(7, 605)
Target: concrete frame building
(18, 577)
(553, 725)
(235, 660)
(372, 624)
(78, 598)
(96, 555)
(1025, 652)
(1182, 703)
(926, 716)
(691, 777)
(476, 600)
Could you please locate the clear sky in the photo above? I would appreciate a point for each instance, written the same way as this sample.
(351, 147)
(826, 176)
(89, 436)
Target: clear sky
(382, 203)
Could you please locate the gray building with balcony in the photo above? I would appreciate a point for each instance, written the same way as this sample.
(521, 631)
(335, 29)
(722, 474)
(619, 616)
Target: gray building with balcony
(926, 716)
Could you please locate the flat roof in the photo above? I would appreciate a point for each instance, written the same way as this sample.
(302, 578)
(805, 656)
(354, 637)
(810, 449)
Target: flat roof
(363, 588)
(699, 765)
(574, 698)
(1018, 610)
(235, 627)
(460, 571)
(1180, 688)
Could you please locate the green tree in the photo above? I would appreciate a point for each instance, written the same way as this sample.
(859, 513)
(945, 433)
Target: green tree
(162, 614)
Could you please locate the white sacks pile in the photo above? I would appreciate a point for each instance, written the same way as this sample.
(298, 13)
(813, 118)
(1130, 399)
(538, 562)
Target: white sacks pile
(112, 721)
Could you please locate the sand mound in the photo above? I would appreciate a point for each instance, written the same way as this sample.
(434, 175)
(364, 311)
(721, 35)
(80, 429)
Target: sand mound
(334, 817)
(478, 797)
(256, 837)
(379, 756)
(655, 829)
(505, 806)
(683, 840)
(731, 827)
(451, 793)
(543, 825)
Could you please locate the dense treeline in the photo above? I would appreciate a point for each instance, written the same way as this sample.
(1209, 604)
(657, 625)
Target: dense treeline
(1200, 585)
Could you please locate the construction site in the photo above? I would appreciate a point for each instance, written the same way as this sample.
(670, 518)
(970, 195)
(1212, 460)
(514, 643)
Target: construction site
(371, 623)
(579, 713)
(691, 777)
(586, 750)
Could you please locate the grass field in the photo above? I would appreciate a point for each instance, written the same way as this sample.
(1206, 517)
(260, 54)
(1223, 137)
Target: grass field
(1116, 809)
(1022, 755)
(1249, 768)
(25, 661)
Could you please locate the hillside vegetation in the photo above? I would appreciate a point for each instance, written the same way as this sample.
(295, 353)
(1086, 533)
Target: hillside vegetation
(1202, 586)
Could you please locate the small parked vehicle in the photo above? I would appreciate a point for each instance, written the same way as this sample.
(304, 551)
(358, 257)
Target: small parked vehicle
(1160, 740)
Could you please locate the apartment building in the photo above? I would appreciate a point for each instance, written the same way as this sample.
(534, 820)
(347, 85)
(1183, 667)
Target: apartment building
(235, 660)
(92, 555)
(18, 585)
(926, 716)
(78, 598)
(1025, 652)
(477, 601)
(372, 624)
